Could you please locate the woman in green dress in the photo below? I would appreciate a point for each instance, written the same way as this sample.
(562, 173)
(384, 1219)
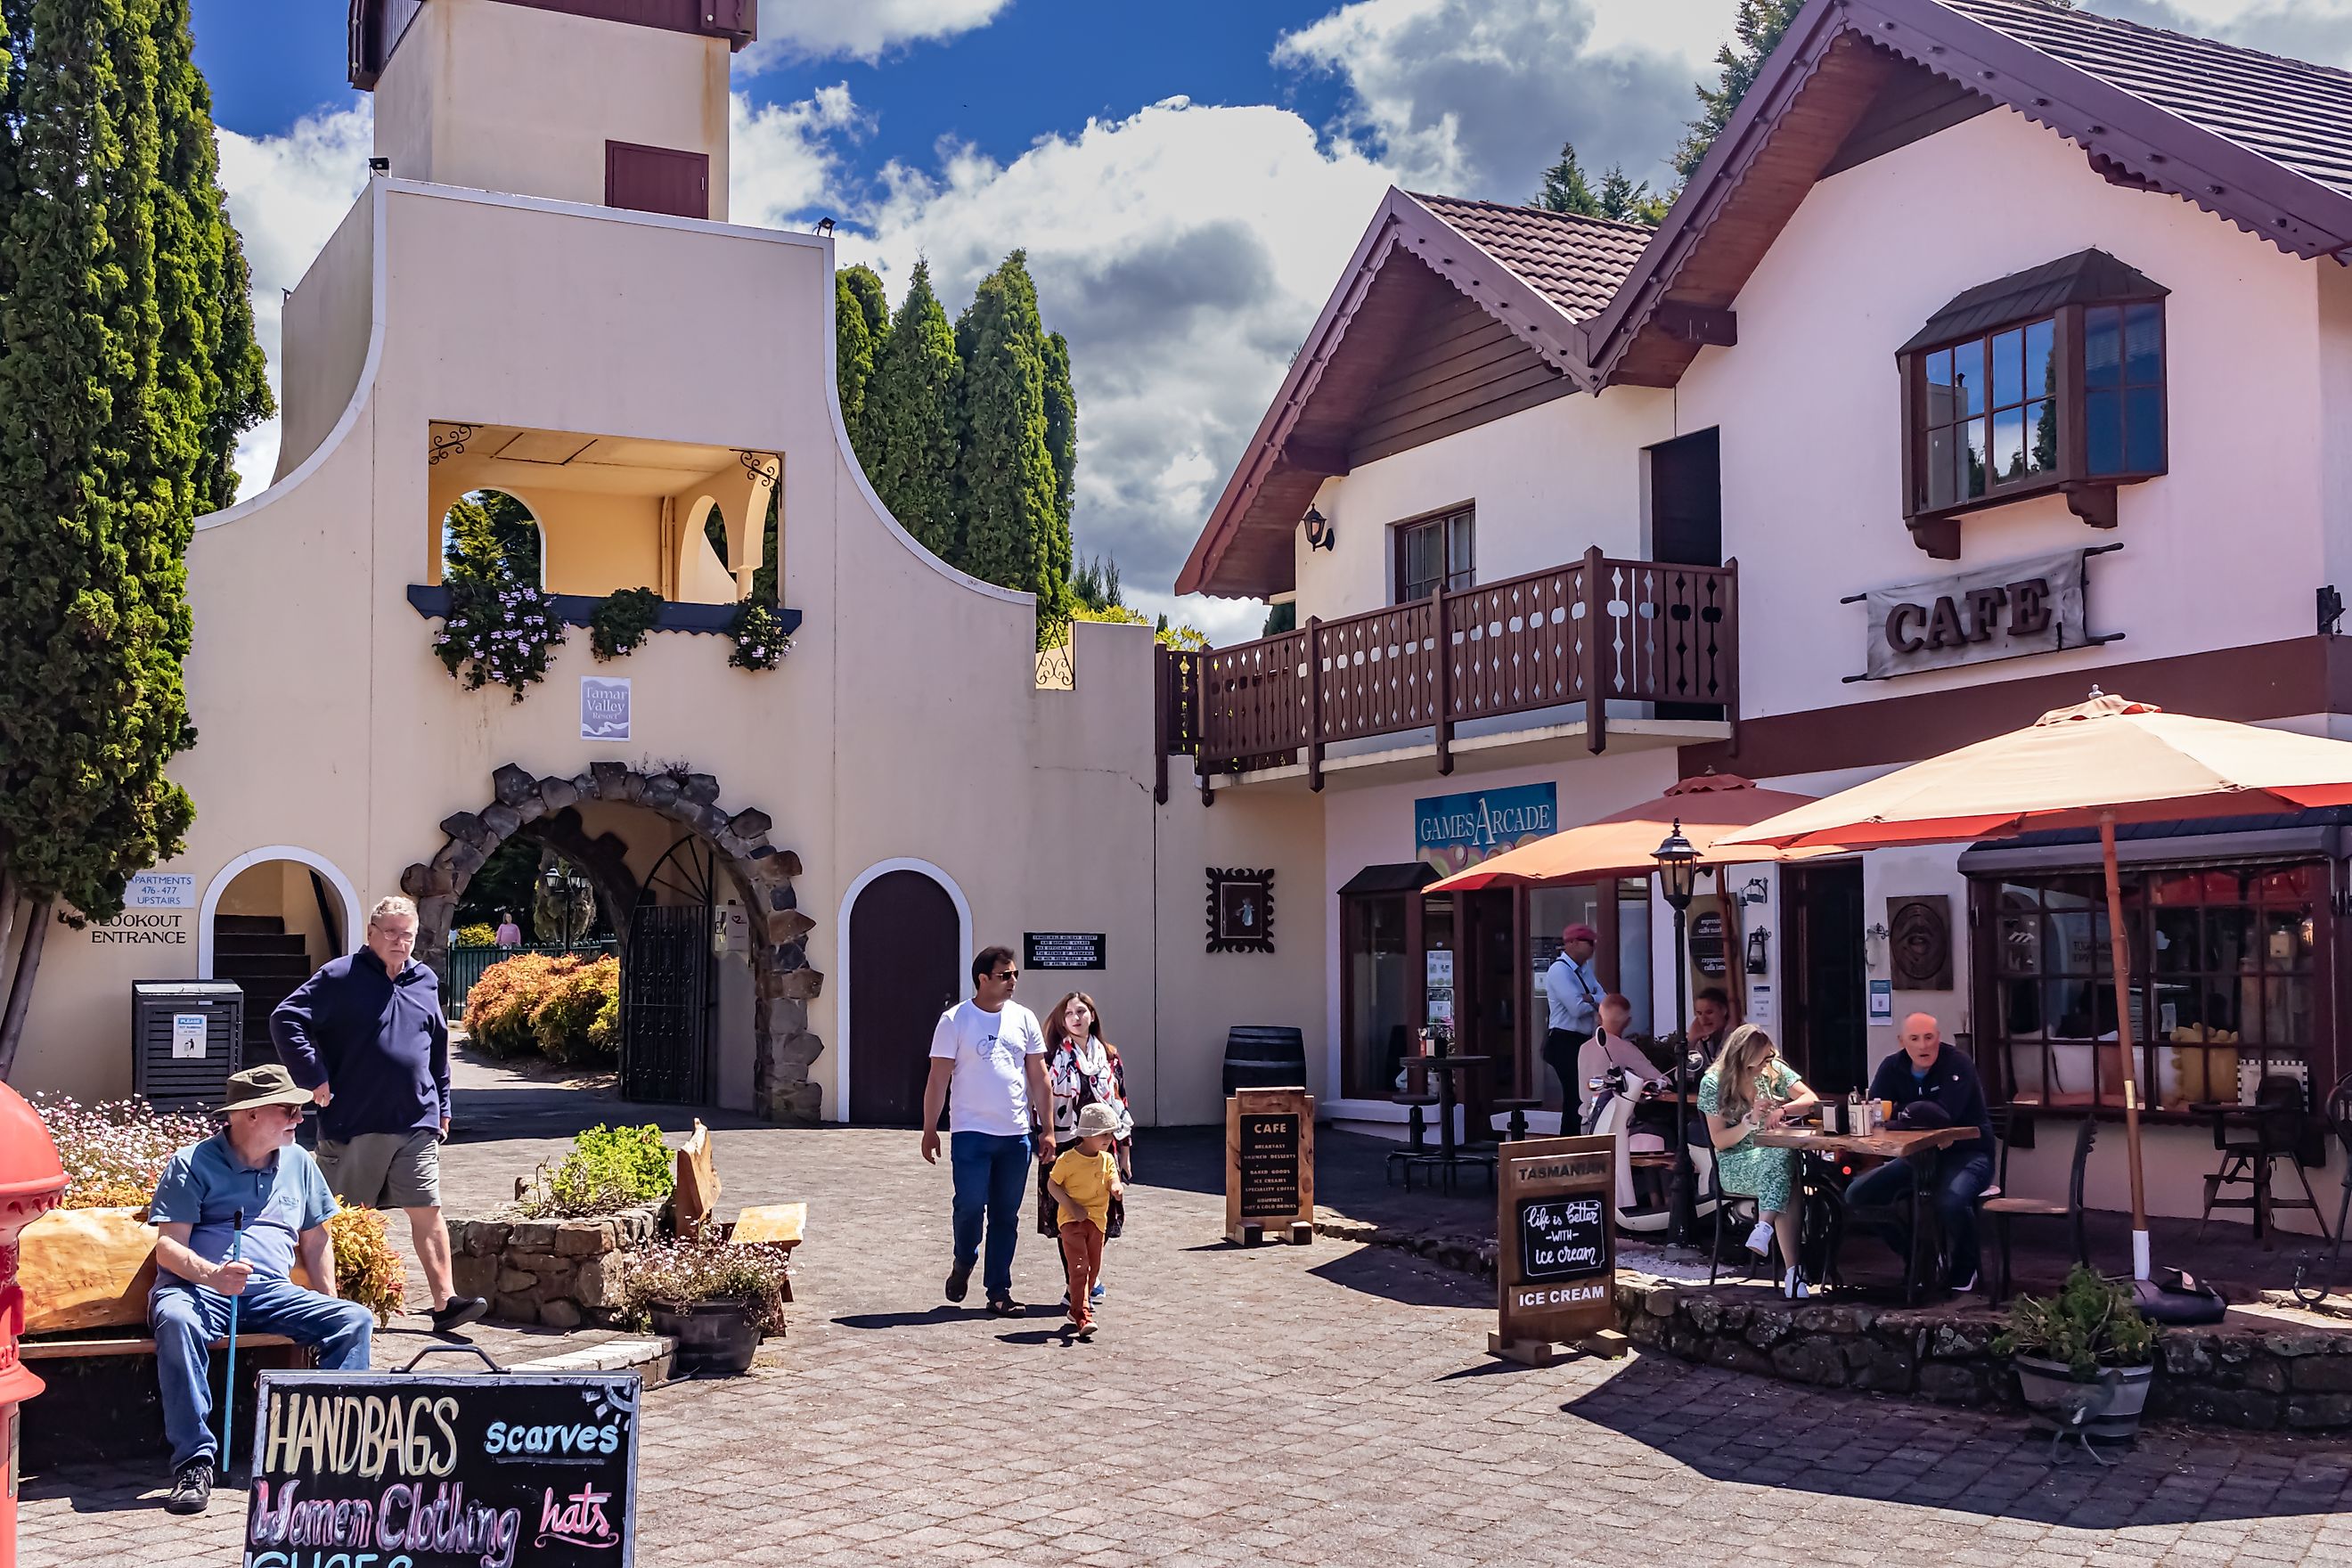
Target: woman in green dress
(1749, 1089)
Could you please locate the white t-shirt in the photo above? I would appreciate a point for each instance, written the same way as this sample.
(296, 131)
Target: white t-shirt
(989, 1090)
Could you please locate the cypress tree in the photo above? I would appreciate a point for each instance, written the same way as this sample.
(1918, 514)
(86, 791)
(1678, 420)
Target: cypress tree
(911, 416)
(1010, 487)
(854, 345)
(127, 370)
(1062, 443)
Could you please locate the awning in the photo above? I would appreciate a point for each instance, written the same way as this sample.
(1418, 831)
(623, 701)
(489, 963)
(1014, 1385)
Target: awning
(2081, 278)
(1399, 877)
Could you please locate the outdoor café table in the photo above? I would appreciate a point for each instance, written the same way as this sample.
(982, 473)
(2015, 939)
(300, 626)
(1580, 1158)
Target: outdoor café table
(1449, 1158)
(1886, 1143)
(2222, 1111)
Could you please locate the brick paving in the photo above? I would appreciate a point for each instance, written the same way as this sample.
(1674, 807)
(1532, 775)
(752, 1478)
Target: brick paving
(1326, 1404)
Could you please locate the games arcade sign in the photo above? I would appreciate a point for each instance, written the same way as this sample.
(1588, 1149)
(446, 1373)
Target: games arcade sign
(2039, 605)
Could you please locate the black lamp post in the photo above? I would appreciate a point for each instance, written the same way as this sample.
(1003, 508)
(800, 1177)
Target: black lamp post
(1678, 878)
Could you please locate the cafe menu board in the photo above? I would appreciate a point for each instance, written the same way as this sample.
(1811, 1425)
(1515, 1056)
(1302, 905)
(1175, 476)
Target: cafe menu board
(1270, 1163)
(514, 1469)
(1557, 1270)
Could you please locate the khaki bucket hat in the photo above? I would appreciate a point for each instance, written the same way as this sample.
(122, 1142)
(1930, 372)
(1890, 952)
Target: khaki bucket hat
(270, 1084)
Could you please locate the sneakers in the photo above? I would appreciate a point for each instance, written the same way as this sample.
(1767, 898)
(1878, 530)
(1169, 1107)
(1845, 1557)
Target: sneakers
(1963, 1287)
(1760, 1240)
(459, 1311)
(1793, 1287)
(1096, 1294)
(1087, 1332)
(191, 1487)
(959, 1281)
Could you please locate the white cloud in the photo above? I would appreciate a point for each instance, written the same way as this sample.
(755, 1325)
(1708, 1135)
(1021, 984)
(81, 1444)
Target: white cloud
(784, 158)
(1475, 98)
(1183, 251)
(857, 29)
(285, 194)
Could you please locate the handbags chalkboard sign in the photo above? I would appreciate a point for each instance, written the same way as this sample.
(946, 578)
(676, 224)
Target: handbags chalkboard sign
(532, 1471)
(1562, 1239)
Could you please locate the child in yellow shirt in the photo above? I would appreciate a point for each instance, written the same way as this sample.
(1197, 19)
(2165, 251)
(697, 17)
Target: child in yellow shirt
(1083, 1182)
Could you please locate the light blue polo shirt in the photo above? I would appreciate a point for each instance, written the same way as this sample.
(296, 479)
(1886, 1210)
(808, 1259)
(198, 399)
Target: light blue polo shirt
(207, 1182)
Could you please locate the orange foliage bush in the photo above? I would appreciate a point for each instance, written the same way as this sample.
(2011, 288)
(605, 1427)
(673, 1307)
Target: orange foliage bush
(564, 1006)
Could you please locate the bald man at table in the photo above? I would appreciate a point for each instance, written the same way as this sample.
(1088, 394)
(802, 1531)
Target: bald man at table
(1944, 1086)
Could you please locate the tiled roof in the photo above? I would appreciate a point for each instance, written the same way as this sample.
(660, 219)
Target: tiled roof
(1575, 262)
(2297, 114)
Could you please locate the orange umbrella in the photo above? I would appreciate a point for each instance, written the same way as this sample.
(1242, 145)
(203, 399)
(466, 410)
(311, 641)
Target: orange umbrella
(2105, 761)
(1625, 843)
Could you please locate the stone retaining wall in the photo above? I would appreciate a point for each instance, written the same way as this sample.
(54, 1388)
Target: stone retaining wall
(559, 1272)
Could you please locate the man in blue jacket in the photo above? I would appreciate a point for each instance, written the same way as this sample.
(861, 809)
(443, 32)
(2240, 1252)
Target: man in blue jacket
(1933, 1085)
(366, 1036)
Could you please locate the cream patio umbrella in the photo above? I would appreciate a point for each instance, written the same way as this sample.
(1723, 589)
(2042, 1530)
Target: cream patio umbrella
(2102, 761)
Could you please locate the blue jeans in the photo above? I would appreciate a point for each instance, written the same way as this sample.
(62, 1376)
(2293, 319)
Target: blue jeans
(991, 1177)
(188, 1318)
(1954, 1182)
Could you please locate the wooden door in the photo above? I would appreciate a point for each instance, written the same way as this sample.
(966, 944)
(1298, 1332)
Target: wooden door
(1828, 976)
(656, 180)
(905, 950)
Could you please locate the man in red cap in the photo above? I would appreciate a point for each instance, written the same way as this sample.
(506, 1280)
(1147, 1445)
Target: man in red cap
(1573, 994)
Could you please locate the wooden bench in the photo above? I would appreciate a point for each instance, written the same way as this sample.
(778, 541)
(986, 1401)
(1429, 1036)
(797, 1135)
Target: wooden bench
(103, 1406)
(274, 1351)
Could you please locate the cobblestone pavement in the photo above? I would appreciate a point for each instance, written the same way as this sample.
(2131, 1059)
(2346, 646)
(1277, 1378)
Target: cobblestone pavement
(1315, 1406)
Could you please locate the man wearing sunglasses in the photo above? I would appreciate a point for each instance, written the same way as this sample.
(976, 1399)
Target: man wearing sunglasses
(990, 1051)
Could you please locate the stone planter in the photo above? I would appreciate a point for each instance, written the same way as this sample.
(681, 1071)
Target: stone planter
(714, 1338)
(559, 1272)
(2109, 1405)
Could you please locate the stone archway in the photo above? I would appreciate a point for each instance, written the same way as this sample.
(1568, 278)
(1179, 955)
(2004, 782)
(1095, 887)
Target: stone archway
(763, 875)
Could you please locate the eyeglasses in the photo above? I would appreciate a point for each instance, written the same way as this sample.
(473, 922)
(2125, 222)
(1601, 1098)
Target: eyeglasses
(1006, 974)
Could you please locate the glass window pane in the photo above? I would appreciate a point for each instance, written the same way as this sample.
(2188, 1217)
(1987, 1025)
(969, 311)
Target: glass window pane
(1943, 452)
(2103, 346)
(1973, 458)
(2286, 940)
(2176, 941)
(1967, 375)
(2294, 883)
(1421, 564)
(2143, 430)
(1943, 404)
(2041, 448)
(2103, 432)
(1458, 545)
(2009, 444)
(2042, 359)
(2143, 341)
(2018, 933)
(2287, 1013)
(2229, 940)
(2008, 368)
(2075, 942)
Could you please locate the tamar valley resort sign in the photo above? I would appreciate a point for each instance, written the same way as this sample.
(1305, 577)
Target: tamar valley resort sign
(2035, 605)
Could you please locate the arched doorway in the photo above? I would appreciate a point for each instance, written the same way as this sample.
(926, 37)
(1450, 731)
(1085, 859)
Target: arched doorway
(905, 941)
(268, 920)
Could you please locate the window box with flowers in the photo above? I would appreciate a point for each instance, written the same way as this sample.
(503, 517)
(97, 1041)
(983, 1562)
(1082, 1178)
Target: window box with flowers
(2050, 381)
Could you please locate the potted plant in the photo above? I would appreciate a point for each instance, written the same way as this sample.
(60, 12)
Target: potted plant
(715, 1299)
(2084, 1357)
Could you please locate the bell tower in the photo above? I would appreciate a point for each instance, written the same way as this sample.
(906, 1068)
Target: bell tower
(621, 102)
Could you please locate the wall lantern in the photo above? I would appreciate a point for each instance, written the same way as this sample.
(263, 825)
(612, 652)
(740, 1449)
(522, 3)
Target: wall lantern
(1322, 532)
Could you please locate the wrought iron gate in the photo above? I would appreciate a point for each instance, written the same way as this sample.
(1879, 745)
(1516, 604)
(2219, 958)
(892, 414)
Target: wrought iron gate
(667, 995)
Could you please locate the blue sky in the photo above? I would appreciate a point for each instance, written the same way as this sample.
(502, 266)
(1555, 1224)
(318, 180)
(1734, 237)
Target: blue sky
(1188, 179)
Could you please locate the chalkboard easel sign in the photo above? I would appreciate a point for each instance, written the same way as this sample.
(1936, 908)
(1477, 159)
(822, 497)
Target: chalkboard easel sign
(1556, 1271)
(1270, 1165)
(440, 1471)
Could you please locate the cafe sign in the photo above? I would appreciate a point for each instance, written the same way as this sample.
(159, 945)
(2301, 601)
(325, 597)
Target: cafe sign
(2035, 605)
(1451, 832)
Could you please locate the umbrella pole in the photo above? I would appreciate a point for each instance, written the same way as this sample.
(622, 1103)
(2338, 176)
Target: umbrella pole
(2118, 937)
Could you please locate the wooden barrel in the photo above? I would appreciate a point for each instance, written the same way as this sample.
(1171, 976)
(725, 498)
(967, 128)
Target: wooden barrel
(1264, 1055)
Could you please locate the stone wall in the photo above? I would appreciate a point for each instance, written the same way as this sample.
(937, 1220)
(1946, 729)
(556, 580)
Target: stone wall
(559, 1272)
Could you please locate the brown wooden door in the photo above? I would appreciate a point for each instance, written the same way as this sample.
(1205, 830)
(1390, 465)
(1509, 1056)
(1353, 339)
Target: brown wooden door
(656, 180)
(903, 973)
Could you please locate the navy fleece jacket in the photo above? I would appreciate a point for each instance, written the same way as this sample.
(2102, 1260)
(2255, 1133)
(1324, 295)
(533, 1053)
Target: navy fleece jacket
(380, 1042)
(1951, 1083)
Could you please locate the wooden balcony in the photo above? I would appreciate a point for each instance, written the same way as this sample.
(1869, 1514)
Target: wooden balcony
(1619, 631)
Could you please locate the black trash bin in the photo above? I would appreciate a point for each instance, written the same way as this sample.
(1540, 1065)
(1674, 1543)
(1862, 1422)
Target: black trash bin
(1264, 1055)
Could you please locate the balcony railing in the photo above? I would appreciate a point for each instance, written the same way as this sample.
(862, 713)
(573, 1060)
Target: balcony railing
(1618, 631)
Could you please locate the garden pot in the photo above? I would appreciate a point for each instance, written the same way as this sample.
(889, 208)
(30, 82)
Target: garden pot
(714, 1338)
(2110, 1405)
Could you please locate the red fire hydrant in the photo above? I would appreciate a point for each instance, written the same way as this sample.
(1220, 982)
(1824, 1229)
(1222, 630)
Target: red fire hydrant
(31, 1183)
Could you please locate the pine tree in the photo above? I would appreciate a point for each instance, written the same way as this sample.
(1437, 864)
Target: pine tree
(127, 370)
(1013, 530)
(1565, 188)
(1756, 29)
(1062, 441)
(861, 320)
(1629, 200)
(912, 415)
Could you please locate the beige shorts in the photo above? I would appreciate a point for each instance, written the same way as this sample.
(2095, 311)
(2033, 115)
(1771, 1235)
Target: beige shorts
(385, 1170)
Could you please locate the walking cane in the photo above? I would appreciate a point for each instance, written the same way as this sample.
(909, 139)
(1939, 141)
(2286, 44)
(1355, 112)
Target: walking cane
(228, 1386)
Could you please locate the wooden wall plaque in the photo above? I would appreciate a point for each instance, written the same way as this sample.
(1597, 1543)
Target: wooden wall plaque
(1555, 1269)
(1270, 1165)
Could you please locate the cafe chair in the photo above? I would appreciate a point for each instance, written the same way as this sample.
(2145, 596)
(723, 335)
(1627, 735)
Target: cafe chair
(1517, 1128)
(1416, 1128)
(2002, 1208)
(2339, 1121)
(2248, 1152)
(1739, 1211)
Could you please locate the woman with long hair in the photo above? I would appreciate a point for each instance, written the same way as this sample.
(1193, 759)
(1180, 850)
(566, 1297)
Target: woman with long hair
(1083, 1069)
(1750, 1089)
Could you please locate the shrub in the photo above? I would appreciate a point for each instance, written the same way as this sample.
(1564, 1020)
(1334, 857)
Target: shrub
(761, 640)
(682, 1273)
(607, 1168)
(500, 630)
(479, 934)
(114, 1152)
(499, 1006)
(575, 999)
(620, 621)
(2092, 1322)
(367, 1270)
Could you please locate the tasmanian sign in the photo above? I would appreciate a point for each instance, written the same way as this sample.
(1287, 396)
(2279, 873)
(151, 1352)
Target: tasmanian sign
(490, 1471)
(1555, 1270)
(2034, 605)
(1455, 831)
